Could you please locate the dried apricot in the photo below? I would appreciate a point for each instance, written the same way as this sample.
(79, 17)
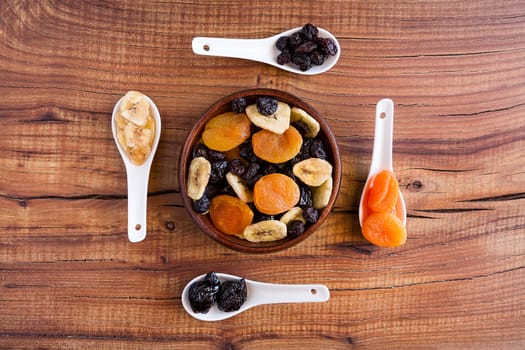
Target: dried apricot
(275, 193)
(384, 192)
(384, 230)
(275, 148)
(226, 131)
(229, 214)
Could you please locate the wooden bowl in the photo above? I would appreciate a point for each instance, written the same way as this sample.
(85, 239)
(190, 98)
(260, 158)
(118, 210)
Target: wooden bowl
(203, 220)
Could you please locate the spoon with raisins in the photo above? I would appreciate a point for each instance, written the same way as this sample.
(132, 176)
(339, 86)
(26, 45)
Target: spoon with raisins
(218, 296)
(304, 50)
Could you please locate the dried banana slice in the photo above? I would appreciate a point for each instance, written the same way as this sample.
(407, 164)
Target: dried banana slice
(296, 213)
(277, 122)
(313, 171)
(321, 195)
(265, 231)
(198, 177)
(239, 187)
(298, 114)
(135, 108)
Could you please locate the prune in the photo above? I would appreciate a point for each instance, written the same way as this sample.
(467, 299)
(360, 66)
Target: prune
(239, 105)
(284, 57)
(311, 215)
(305, 198)
(326, 46)
(317, 149)
(202, 205)
(232, 295)
(295, 228)
(266, 105)
(218, 171)
(282, 43)
(203, 294)
(237, 167)
(200, 150)
(213, 155)
(309, 31)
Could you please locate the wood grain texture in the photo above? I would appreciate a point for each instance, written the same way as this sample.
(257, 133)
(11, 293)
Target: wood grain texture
(70, 279)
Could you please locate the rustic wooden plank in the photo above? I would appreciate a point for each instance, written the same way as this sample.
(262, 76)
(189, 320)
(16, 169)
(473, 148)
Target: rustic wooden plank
(70, 279)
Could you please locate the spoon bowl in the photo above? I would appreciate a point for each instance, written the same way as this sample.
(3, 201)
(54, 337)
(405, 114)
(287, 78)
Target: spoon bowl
(382, 152)
(261, 50)
(137, 177)
(259, 293)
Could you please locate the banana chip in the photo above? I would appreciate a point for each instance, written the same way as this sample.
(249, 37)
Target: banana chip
(135, 127)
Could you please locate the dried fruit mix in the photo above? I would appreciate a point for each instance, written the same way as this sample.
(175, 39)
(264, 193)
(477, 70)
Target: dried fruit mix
(261, 171)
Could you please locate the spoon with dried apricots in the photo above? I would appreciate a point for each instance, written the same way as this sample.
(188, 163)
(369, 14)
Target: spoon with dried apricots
(382, 209)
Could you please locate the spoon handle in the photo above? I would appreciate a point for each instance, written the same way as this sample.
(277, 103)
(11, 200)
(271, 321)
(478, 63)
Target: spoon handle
(269, 293)
(384, 127)
(250, 49)
(137, 202)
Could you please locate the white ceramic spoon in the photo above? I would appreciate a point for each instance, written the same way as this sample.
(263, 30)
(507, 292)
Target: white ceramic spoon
(138, 178)
(261, 50)
(382, 151)
(259, 293)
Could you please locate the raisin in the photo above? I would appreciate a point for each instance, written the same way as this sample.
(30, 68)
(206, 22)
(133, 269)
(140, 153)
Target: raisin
(237, 167)
(305, 198)
(301, 59)
(203, 294)
(218, 171)
(251, 171)
(239, 105)
(327, 46)
(266, 105)
(317, 150)
(268, 168)
(246, 151)
(232, 295)
(213, 155)
(306, 47)
(311, 215)
(282, 43)
(284, 57)
(295, 40)
(202, 205)
(295, 228)
(305, 66)
(317, 58)
(309, 31)
(200, 150)
(301, 127)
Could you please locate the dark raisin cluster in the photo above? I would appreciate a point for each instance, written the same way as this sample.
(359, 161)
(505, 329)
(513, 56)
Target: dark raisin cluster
(250, 168)
(229, 295)
(305, 48)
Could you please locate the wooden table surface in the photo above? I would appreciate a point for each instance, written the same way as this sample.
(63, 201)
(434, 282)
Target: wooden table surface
(69, 277)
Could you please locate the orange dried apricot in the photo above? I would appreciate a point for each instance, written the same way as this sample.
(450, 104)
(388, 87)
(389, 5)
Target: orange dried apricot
(275, 193)
(226, 131)
(384, 230)
(229, 214)
(384, 192)
(275, 148)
